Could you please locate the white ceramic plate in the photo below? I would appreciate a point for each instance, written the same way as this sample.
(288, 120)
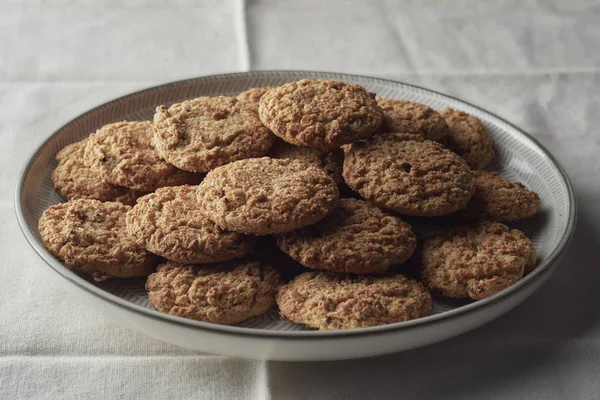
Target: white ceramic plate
(520, 158)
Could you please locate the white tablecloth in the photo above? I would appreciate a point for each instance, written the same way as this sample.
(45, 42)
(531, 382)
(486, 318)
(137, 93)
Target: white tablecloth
(535, 63)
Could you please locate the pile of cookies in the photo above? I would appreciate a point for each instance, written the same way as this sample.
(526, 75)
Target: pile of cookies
(199, 199)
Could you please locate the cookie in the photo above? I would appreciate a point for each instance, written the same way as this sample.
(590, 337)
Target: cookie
(73, 180)
(323, 114)
(168, 223)
(331, 161)
(468, 138)
(475, 261)
(122, 155)
(498, 199)
(408, 117)
(207, 132)
(329, 301)
(253, 96)
(262, 196)
(90, 237)
(225, 293)
(356, 237)
(409, 175)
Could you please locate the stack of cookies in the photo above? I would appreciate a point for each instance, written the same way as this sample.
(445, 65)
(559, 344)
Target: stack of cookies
(323, 169)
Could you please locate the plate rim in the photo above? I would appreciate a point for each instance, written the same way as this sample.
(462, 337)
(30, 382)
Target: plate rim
(470, 308)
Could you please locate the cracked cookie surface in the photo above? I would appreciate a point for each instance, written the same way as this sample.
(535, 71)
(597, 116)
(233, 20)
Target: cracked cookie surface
(206, 132)
(324, 114)
(475, 261)
(409, 175)
(262, 196)
(409, 117)
(169, 223)
(326, 301)
(225, 293)
(356, 237)
(90, 237)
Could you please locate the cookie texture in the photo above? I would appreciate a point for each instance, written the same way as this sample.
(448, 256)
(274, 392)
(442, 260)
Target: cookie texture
(207, 132)
(498, 199)
(468, 138)
(122, 154)
(225, 293)
(323, 114)
(329, 301)
(356, 237)
(262, 196)
(169, 223)
(73, 180)
(408, 117)
(475, 261)
(409, 175)
(331, 162)
(253, 95)
(90, 237)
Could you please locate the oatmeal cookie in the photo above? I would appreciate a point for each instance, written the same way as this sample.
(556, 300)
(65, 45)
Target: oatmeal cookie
(262, 196)
(73, 180)
(408, 117)
(90, 237)
(207, 132)
(468, 138)
(409, 175)
(225, 293)
(356, 237)
(327, 301)
(323, 114)
(122, 154)
(475, 261)
(168, 223)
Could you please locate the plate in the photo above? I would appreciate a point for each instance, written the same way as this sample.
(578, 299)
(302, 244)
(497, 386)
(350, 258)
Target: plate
(520, 157)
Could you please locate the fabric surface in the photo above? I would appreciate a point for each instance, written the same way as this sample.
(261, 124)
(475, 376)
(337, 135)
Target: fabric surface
(534, 63)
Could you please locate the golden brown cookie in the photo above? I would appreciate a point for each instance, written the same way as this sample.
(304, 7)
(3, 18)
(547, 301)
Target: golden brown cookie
(225, 293)
(409, 175)
(498, 199)
(262, 196)
(122, 154)
(253, 96)
(323, 114)
(356, 237)
(475, 261)
(408, 117)
(168, 223)
(207, 132)
(468, 138)
(331, 161)
(327, 301)
(90, 237)
(73, 180)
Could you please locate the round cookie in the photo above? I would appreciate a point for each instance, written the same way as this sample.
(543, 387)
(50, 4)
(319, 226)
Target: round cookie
(408, 117)
(122, 154)
(90, 237)
(468, 138)
(323, 114)
(262, 196)
(409, 175)
(225, 293)
(331, 161)
(206, 132)
(356, 237)
(73, 180)
(168, 223)
(498, 199)
(475, 261)
(329, 301)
